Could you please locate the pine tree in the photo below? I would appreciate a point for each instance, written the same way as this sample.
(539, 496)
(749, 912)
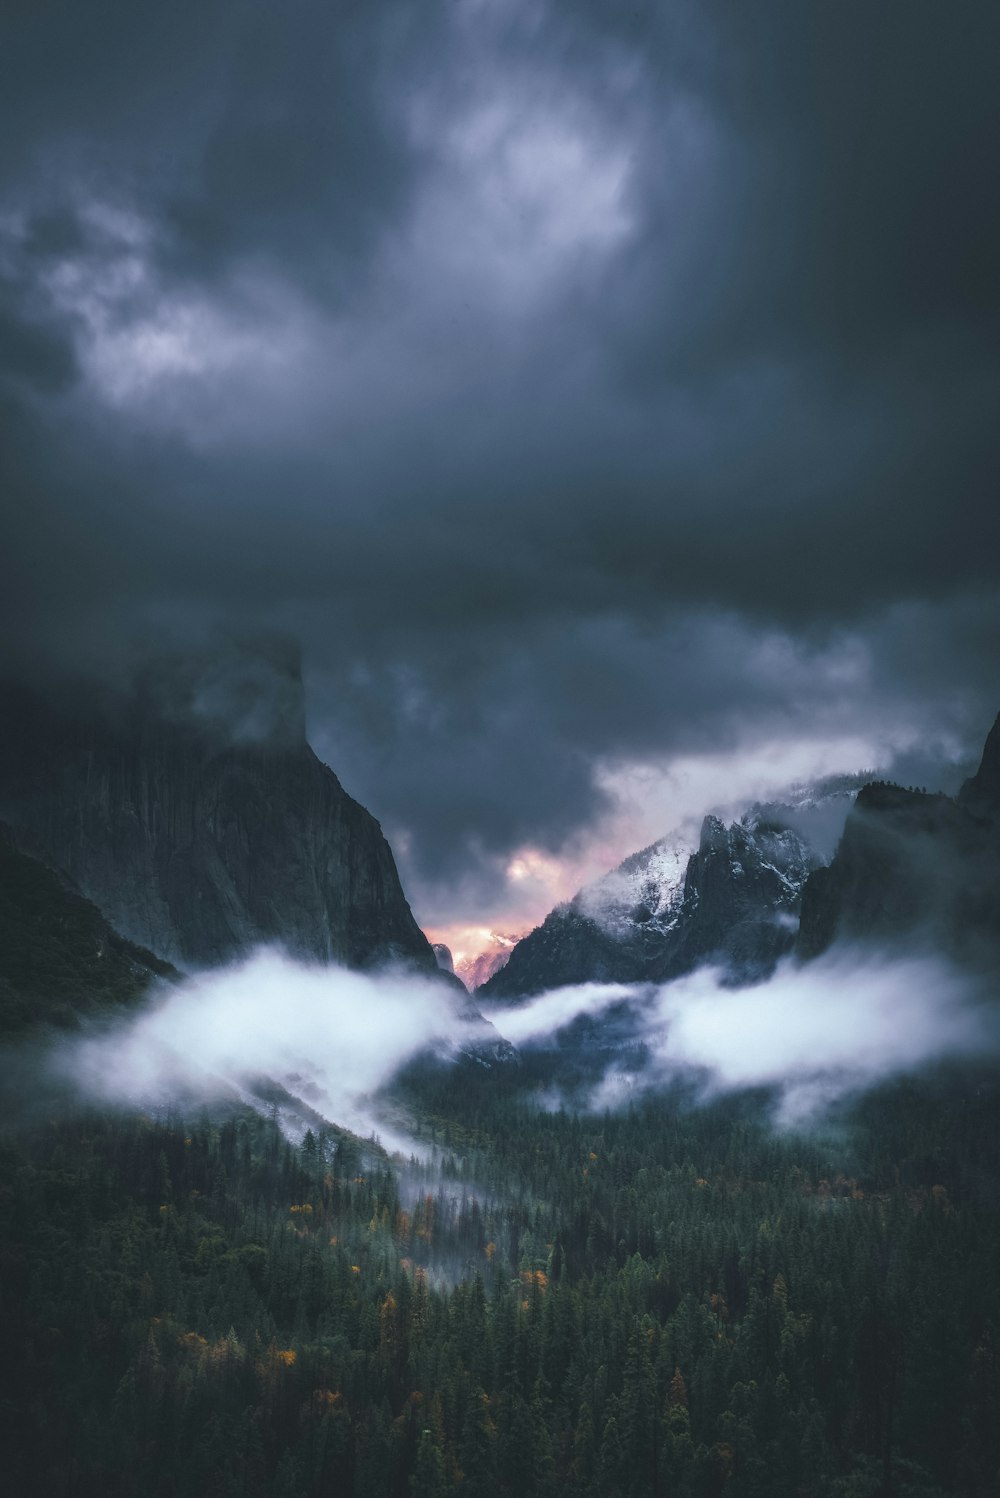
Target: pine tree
(428, 1479)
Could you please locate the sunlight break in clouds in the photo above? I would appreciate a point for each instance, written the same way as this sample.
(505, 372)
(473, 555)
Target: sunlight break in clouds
(331, 1036)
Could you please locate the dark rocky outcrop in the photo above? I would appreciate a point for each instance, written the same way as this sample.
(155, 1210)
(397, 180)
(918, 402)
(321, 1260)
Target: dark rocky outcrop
(915, 868)
(201, 822)
(60, 960)
(741, 897)
(568, 947)
(980, 795)
(443, 957)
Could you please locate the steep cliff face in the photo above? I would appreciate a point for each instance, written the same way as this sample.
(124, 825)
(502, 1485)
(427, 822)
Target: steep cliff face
(980, 795)
(912, 868)
(201, 843)
(916, 868)
(741, 896)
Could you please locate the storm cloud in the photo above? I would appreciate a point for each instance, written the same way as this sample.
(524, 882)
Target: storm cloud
(594, 392)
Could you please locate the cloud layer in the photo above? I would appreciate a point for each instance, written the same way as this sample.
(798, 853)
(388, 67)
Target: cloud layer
(815, 1033)
(588, 387)
(334, 1038)
(329, 1036)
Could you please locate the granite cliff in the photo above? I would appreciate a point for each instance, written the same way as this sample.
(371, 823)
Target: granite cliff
(193, 812)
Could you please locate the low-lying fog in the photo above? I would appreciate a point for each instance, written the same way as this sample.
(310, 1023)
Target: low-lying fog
(334, 1037)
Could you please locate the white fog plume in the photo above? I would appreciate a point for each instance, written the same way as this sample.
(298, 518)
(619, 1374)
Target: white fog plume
(817, 1032)
(334, 1037)
(331, 1036)
(551, 1012)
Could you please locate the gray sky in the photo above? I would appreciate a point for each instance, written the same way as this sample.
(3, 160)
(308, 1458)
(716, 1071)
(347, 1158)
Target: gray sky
(604, 394)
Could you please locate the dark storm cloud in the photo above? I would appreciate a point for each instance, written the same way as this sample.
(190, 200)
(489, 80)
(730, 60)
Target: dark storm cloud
(583, 384)
(244, 130)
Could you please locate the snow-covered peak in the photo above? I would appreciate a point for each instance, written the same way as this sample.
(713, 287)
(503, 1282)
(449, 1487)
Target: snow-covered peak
(646, 889)
(478, 968)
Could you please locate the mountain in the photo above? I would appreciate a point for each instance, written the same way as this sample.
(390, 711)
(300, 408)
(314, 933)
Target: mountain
(741, 896)
(734, 900)
(443, 957)
(477, 970)
(914, 867)
(59, 957)
(193, 812)
(611, 931)
(980, 795)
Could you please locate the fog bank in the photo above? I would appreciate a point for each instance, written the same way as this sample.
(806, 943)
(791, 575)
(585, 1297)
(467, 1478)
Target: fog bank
(333, 1038)
(330, 1036)
(815, 1032)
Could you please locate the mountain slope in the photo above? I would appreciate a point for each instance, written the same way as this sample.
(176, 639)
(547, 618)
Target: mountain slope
(476, 969)
(980, 795)
(59, 957)
(610, 932)
(201, 842)
(914, 867)
(741, 897)
(666, 910)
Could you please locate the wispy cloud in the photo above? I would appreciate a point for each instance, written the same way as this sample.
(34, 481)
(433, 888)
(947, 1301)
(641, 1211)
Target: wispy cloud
(814, 1032)
(332, 1037)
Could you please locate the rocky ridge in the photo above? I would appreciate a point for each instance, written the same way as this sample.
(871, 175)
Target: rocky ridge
(200, 842)
(733, 900)
(60, 960)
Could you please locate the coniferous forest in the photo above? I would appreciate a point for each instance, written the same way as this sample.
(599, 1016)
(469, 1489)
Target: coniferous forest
(677, 1298)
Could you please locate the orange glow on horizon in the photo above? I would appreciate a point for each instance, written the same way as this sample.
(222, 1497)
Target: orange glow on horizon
(536, 882)
(467, 942)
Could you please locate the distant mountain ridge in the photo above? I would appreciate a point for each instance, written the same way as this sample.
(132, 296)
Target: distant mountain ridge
(733, 900)
(477, 969)
(852, 858)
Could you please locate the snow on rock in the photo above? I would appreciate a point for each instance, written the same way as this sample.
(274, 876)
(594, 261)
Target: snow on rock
(646, 889)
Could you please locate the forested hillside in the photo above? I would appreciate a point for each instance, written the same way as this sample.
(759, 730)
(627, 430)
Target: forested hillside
(60, 960)
(673, 1300)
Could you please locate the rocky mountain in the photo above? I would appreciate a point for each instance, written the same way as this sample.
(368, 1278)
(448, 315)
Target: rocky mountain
(980, 795)
(611, 931)
(443, 957)
(741, 896)
(914, 867)
(59, 958)
(734, 901)
(477, 970)
(193, 812)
